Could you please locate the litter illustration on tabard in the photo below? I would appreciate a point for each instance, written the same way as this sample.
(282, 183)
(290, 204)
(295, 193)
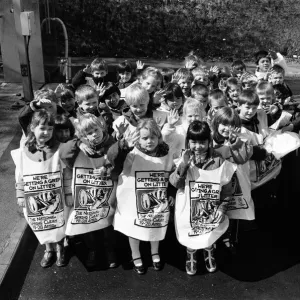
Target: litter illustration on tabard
(237, 201)
(151, 199)
(204, 202)
(44, 203)
(92, 193)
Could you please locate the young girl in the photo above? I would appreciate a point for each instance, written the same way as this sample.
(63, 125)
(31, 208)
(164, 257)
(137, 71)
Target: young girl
(203, 179)
(184, 78)
(63, 128)
(233, 90)
(142, 211)
(65, 93)
(40, 187)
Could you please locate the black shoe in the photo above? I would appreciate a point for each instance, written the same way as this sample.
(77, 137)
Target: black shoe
(61, 260)
(157, 265)
(48, 259)
(139, 269)
(91, 259)
(111, 259)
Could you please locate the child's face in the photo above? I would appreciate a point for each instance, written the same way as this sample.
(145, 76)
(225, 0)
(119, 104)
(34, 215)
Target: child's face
(124, 77)
(247, 111)
(150, 84)
(113, 100)
(217, 104)
(234, 92)
(147, 140)
(139, 109)
(185, 85)
(224, 130)
(63, 134)
(265, 101)
(50, 107)
(99, 74)
(68, 104)
(42, 133)
(264, 64)
(199, 147)
(276, 78)
(238, 71)
(89, 105)
(202, 97)
(192, 115)
(176, 103)
(201, 79)
(94, 135)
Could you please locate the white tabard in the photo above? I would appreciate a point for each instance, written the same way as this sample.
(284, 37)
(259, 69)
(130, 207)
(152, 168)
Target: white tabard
(94, 197)
(45, 209)
(197, 204)
(142, 205)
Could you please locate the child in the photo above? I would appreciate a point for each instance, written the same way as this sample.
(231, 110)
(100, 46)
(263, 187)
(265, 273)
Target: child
(173, 98)
(238, 68)
(203, 180)
(93, 75)
(265, 60)
(167, 74)
(142, 211)
(66, 96)
(249, 81)
(93, 190)
(184, 78)
(41, 188)
(63, 128)
(200, 93)
(174, 133)
(192, 61)
(233, 89)
(125, 74)
(217, 100)
(200, 76)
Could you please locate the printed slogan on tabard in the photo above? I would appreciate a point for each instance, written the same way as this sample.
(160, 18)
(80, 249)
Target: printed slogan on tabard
(43, 200)
(151, 198)
(204, 202)
(92, 193)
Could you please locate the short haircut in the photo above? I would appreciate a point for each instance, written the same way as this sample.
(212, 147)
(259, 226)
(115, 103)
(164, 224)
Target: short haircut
(261, 54)
(199, 71)
(151, 71)
(248, 97)
(135, 93)
(232, 82)
(99, 64)
(110, 88)
(45, 93)
(199, 89)
(196, 60)
(264, 88)
(238, 64)
(217, 95)
(150, 125)
(64, 92)
(197, 131)
(85, 92)
(172, 90)
(192, 103)
(183, 73)
(123, 67)
(277, 69)
(63, 122)
(86, 122)
(226, 116)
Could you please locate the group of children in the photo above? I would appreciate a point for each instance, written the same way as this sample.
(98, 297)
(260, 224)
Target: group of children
(99, 156)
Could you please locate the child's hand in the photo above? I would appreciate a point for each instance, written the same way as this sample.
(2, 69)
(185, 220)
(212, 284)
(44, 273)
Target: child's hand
(159, 97)
(222, 85)
(121, 128)
(273, 109)
(21, 202)
(218, 217)
(131, 139)
(173, 117)
(100, 89)
(272, 54)
(41, 103)
(69, 200)
(102, 171)
(87, 69)
(171, 201)
(187, 156)
(139, 65)
(86, 149)
(213, 71)
(190, 65)
(287, 100)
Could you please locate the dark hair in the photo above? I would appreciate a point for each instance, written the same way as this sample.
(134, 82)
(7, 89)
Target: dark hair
(197, 131)
(66, 93)
(99, 64)
(167, 74)
(238, 64)
(40, 117)
(261, 54)
(172, 90)
(123, 67)
(63, 122)
(217, 95)
(199, 88)
(277, 69)
(110, 88)
(248, 97)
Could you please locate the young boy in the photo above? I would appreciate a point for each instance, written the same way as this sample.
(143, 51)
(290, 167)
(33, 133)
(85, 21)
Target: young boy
(238, 68)
(200, 76)
(184, 78)
(93, 75)
(125, 75)
(200, 93)
(216, 99)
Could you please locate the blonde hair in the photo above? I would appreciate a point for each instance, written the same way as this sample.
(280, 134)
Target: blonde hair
(85, 92)
(86, 122)
(194, 104)
(184, 74)
(46, 93)
(151, 126)
(153, 72)
(135, 93)
(199, 71)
